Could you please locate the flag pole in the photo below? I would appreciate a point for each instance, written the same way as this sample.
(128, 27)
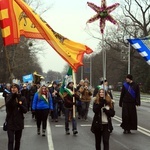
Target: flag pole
(8, 63)
(74, 80)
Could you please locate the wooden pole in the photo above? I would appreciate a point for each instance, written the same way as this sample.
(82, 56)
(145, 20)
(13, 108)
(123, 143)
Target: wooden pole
(8, 63)
(74, 107)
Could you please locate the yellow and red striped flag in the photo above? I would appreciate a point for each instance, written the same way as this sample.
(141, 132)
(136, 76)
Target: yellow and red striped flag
(17, 18)
(72, 52)
(14, 23)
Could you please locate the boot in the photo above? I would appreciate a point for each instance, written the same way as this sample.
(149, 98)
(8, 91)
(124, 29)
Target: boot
(43, 132)
(38, 131)
(67, 132)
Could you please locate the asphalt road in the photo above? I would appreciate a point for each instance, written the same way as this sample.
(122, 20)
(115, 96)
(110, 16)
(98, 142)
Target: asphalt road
(57, 140)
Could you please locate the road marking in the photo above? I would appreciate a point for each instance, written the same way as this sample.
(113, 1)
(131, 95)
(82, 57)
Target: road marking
(82, 125)
(140, 129)
(58, 126)
(85, 125)
(49, 136)
(30, 126)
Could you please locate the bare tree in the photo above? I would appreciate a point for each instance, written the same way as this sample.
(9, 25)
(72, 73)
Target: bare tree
(133, 22)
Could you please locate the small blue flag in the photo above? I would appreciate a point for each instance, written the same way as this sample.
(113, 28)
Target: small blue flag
(27, 78)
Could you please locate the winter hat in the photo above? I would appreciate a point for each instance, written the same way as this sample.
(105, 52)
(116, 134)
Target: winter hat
(70, 82)
(15, 85)
(8, 84)
(102, 79)
(55, 82)
(24, 85)
(86, 81)
(129, 76)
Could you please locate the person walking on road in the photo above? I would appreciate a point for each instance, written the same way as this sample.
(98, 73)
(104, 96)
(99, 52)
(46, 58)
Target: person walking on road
(129, 99)
(86, 93)
(16, 106)
(103, 111)
(79, 104)
(42, 105)
(68, 104)
(54, 91)
(104, 85)
(25, 93)
(33, 89)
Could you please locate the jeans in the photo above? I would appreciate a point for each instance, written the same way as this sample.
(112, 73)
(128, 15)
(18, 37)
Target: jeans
(69, 112)
(85, 109)
(14, 136)
(55, 111)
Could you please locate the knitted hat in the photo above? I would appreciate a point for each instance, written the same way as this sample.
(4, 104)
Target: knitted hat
(86, 81)
(129, 76)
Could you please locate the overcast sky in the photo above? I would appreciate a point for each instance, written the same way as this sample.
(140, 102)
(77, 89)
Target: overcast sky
(68, 17)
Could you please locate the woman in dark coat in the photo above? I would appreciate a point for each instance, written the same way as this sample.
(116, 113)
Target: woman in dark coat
(16, 106)
(129, 99)
(25, 93)
(103, 110)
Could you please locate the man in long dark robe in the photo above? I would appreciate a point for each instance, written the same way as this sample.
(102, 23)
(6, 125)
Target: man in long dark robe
(129, 99)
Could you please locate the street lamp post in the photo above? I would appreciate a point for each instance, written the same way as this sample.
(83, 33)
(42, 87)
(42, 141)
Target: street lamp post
(129, 67)
(125, 56)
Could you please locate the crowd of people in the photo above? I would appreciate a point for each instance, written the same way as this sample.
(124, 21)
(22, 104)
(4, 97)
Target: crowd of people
(44, 100)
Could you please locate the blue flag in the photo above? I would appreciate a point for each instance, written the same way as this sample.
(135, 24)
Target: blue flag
(27, 78)
(142, 45)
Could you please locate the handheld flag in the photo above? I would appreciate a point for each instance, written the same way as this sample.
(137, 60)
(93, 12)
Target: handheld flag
(68, 78)
(27, 78)
(17, 18)
(142, 45)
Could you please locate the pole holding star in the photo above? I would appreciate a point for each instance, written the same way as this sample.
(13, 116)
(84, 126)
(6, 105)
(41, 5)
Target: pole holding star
(103, 13)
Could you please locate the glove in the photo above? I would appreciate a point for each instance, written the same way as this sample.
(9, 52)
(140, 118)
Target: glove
(103, 102)
(104, 109)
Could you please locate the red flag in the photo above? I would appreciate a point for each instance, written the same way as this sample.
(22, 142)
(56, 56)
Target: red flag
(14, 23)
(9, 30)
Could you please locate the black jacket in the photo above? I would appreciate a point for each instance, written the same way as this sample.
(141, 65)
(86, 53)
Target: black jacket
(15, 111)
(126, 97)
(25, 93)
(97, 110)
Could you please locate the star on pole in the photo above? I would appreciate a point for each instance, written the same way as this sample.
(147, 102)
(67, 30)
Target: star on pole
(103, 13)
